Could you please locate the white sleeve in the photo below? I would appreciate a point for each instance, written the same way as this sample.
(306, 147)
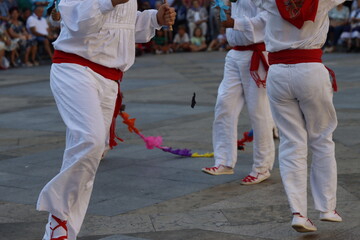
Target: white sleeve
(84, 17)
(146, 23)
(329, 4)
(252, 28)
(186, 38)
(30, 23)
(176, 38)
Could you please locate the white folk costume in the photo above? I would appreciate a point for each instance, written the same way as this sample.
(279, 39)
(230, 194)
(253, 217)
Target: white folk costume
(96, 44)
(244, 84)
(301, 93)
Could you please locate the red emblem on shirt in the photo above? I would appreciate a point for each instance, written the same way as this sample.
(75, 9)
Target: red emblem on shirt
(298, 11)
(293, 7)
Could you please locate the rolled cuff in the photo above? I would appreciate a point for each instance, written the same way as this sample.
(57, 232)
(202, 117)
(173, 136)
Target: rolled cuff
(154, 22)
(241, 24)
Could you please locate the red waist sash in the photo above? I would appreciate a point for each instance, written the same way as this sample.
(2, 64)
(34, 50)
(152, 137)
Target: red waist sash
(257, 57)
(106, 72)
(109, 73)
(295, 56)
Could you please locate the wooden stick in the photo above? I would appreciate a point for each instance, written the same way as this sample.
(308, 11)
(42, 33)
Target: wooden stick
(170, 26)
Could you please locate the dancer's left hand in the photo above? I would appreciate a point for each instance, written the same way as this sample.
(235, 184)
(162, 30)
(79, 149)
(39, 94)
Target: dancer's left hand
(229, 23)
(166, 15)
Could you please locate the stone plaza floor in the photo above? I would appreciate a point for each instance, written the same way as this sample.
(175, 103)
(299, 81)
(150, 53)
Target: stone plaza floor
(142, 194)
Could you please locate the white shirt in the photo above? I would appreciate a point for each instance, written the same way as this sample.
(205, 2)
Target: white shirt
(104, 34)
(184, 39)
(281, 35)
(249, 24)
(41, 25)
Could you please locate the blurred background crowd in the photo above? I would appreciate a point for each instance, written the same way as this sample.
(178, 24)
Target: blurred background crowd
(27, 30)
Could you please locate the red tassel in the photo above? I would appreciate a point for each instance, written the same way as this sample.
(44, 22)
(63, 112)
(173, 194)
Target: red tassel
(333, 79)
(112, 141)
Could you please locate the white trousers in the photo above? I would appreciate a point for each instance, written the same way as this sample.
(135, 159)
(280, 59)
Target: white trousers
(301, 102)
(237, 89)
(86, 102)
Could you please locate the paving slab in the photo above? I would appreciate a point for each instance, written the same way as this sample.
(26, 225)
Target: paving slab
(142, 194)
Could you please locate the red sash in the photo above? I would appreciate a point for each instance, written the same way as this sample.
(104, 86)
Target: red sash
(109, 73)
(257, 56)
(300, 56)
(297, 12)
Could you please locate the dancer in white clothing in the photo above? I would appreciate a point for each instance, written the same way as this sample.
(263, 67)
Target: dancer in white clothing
(244, 84)
(95, 46)
(300, 93)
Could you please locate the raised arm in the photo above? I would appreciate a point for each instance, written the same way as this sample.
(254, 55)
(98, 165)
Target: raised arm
(149, 20)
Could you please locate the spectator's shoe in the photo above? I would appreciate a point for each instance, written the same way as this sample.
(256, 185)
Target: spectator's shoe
(258, 178)
(56, 229)
(331, 216)
(28, 64)
(36, 63)
(302, 224)
(220, 170)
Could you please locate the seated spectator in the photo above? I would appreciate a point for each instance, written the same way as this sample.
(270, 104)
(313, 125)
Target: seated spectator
(220, 43)
(160, 42)
(181, 41)
(198, 42)
(39, 28)
(24, 15)
(4, 12)
(181, 12)
(352, 33)
(54, 21)
(17, 31)
(10, 45)
(4, 64)
(339, 18)
(197, 16)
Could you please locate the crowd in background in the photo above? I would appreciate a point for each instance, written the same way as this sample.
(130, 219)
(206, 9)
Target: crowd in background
(344, 31)
(27, 31)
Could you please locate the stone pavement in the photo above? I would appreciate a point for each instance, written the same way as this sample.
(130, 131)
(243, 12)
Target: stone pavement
(142, 194)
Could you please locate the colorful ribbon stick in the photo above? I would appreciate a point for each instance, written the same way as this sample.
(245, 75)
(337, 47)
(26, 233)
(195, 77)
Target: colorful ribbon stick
(156, 142)
(51, 3)
(223, 7)
(248, 137)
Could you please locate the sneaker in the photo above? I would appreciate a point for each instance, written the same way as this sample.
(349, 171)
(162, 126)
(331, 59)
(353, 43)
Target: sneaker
(56, 229)
(331, 216)
(220, 170)
(302, 224)
(250, 179)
